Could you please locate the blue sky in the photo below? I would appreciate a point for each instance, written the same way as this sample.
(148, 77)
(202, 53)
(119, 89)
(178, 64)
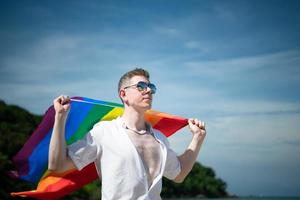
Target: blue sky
(233, 64)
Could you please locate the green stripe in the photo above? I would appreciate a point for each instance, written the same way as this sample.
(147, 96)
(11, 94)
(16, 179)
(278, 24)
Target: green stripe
(94, 116)
(115, 104)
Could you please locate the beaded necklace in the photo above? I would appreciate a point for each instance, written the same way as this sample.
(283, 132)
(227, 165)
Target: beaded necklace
(141, 132)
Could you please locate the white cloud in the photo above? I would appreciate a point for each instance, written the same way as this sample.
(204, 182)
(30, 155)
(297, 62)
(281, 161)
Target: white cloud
(288, 60)
(168, 31)
(241, 146)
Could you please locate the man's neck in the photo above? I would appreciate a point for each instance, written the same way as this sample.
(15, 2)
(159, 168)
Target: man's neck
(134, 119)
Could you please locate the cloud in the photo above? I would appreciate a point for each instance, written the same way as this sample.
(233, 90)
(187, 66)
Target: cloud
(241, 146)
(284, 61)
(168, 31)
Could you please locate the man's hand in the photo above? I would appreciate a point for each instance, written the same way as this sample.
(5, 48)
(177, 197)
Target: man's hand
(62, 105)
(197, 128)
(59, 161)
(188, 158)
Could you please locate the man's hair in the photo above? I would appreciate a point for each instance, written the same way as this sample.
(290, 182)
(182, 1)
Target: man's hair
(128, 75)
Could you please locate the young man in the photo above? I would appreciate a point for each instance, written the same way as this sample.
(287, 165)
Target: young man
(130, 156)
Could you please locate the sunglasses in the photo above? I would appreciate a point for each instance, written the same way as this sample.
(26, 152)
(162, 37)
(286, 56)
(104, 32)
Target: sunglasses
(142, 87)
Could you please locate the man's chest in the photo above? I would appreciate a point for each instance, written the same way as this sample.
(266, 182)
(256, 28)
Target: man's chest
(146, 145)
(149, 151)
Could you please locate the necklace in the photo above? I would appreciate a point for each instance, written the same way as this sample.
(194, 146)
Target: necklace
(141, 132)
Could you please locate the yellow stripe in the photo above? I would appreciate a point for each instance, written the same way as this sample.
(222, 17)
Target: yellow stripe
(50, 178)
(113, 114)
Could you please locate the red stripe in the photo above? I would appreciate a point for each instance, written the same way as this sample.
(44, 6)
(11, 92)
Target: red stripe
(169, 126)
(66, 185)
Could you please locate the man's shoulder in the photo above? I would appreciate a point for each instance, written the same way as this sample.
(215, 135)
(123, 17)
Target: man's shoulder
(106, 124)
(104, 129)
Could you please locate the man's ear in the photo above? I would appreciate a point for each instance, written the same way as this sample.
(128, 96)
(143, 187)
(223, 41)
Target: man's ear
(122, 94)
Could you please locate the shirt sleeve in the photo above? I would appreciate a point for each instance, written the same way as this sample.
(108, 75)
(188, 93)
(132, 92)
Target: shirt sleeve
(86, 150)
(172, 167)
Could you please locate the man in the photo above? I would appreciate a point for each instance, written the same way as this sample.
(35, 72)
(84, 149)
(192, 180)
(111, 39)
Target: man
(130, 156)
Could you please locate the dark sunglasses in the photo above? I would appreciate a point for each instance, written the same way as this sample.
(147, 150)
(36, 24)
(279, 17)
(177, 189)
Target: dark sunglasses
(142, 86)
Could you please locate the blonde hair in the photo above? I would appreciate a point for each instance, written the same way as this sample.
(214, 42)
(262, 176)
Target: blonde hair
(128, 75)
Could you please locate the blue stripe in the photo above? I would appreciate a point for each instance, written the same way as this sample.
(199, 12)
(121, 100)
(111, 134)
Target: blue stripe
(38, 160)
(76, 116)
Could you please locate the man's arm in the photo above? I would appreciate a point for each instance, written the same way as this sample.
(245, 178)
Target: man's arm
(59, 160)
(188, 158)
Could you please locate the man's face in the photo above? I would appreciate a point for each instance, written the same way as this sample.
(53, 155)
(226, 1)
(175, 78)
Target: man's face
(136, 98)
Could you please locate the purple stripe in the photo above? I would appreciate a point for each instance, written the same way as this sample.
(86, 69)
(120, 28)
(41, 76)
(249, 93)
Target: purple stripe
(21, 159)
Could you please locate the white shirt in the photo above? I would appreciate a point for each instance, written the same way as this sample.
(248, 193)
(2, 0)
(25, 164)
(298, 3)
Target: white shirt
(119, 164)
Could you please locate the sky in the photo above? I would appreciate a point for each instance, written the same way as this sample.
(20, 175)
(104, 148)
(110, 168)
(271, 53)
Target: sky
(233, 64)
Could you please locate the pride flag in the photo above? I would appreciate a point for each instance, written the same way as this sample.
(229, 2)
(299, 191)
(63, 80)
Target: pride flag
(32, 160)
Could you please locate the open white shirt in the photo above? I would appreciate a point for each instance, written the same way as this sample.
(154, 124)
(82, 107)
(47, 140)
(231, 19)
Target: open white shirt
(119, 164)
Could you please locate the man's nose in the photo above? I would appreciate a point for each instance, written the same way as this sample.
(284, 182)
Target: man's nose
(148, 90)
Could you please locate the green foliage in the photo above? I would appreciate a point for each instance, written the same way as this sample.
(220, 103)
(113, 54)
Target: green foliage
(16, 126)
(201, 182)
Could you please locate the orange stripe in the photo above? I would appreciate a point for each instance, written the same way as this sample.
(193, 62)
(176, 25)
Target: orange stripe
(152, 119)
(63, 185)
(51, 178)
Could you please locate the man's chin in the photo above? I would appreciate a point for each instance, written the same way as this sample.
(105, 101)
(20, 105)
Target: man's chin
(144, 106)
(147, 106)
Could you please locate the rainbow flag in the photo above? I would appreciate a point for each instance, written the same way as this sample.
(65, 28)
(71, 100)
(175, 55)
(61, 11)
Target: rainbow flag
(32, 160)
